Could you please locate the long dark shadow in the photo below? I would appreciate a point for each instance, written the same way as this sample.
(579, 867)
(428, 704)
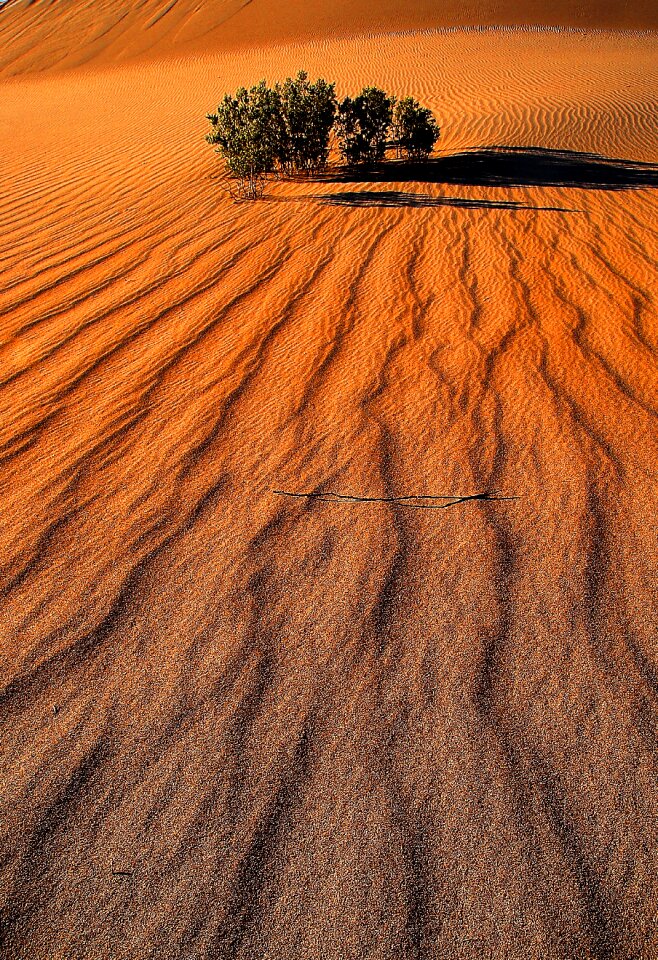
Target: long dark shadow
(397, 198)
(510, 167)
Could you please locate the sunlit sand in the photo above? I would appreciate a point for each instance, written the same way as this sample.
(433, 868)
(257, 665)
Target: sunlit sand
(240, 724)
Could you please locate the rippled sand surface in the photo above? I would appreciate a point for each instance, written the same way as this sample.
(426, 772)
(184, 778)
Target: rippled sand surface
(240, 724)
(47, 35)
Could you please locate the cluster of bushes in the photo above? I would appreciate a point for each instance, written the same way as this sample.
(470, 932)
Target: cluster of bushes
(287, 129)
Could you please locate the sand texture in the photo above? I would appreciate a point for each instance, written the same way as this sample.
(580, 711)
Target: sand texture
(240, 724)
(46, 35)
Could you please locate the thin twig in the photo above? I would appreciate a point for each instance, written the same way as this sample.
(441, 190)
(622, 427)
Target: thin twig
(328, 496)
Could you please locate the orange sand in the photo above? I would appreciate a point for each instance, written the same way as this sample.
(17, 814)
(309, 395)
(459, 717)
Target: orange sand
(240, 725)
(41, 35)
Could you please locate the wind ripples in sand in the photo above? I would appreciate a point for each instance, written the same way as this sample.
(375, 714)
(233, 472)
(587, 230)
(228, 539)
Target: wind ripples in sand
(244, 725)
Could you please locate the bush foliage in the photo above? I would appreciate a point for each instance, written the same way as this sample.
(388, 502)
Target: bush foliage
(287, 129)
(307, 116)
(363, 125)
(415, 131)
(246, 129)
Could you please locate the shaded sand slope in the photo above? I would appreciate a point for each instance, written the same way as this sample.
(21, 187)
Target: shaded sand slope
(241, 725)
(35, 37)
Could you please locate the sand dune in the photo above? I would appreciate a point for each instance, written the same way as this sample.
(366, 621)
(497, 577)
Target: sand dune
(34, 37)
(241, 724)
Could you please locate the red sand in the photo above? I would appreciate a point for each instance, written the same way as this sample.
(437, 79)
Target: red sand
(241, 725)
(39, 35)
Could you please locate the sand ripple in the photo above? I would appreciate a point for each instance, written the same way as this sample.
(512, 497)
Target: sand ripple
(242, 725)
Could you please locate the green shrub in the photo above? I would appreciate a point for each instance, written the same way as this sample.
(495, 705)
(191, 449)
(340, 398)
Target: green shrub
(287, 129)
(363, 124)
(307, 111)
(248, 131)
(415, 130)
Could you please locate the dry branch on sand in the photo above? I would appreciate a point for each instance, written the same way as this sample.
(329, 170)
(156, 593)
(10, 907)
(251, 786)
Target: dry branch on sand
(412, 501)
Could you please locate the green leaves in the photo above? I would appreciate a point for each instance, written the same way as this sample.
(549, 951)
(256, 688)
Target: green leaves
(287, 129)
(307, 111)
(415, 131)
(261, 130)
(363, 125)
(246, 130)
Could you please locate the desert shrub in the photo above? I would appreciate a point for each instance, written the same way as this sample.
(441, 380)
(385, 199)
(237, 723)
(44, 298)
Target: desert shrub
(363, 124)
(415, 130)
(248, 132)
(287, 129)
(307, 112)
